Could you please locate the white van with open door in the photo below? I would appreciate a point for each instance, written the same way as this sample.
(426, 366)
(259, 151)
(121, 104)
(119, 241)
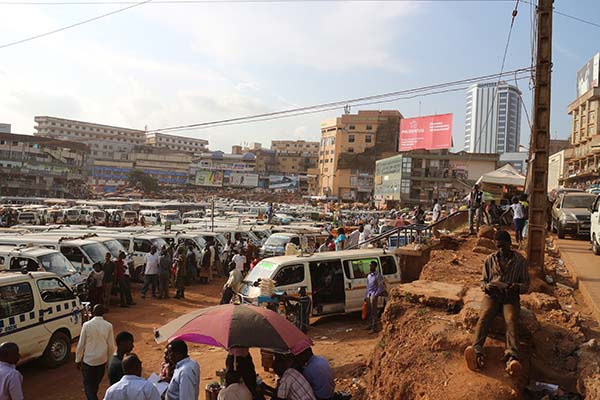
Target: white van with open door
(336, 281)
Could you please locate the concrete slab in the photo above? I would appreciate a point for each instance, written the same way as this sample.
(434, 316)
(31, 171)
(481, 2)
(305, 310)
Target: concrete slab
(433, 294)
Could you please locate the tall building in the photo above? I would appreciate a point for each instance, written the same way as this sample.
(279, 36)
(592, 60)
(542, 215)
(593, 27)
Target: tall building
(349, 147)
(104, 141)
(493, 118)
(178, 143)
(295, 146)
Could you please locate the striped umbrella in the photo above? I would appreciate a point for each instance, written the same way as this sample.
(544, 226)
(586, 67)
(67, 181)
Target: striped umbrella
(231, 325)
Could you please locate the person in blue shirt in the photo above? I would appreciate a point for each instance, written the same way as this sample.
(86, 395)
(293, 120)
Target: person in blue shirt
(318, 373)
(375, 287)
(185, 384)
(340, 241)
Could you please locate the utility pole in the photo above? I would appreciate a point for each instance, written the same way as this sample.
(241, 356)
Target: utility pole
(537, 174)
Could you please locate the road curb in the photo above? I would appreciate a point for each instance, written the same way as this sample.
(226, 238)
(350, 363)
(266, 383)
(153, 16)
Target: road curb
(580, 285)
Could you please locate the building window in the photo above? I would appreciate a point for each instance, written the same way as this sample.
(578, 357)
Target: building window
(350, 138)
(350, 149)
(368, 139)
(352, 127)
(369, 127)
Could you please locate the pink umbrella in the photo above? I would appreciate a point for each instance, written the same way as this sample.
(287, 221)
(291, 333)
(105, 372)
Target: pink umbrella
(231, 325)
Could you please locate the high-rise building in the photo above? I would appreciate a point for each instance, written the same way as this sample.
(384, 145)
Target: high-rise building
(493, 118)
(350, 145)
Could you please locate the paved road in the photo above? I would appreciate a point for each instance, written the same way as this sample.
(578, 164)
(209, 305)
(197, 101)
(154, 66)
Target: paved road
(585, 266)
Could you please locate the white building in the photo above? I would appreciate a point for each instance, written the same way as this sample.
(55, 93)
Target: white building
(104, 141)
(179, 143)
(557, 168)
(493, 118)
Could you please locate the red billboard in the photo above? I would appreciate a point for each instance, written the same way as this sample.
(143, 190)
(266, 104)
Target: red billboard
(433, 132)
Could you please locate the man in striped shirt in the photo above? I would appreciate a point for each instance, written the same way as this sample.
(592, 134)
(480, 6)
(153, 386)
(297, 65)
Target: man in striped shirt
(292, 384)
(504, 278)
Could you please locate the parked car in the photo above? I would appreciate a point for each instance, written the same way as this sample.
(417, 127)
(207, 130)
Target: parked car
(571, 214)
(595, 226)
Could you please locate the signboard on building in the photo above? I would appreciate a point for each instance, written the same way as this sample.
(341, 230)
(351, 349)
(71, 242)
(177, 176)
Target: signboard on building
(209, 178)
(433, 132)
(283, 182)
(587, 77)
(245, 180)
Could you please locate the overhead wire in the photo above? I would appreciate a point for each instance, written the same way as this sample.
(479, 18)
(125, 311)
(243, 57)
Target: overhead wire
(64, 28)
(494, 96)
(341, 103)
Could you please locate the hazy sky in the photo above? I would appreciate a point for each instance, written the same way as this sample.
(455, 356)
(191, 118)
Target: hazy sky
(161, 65)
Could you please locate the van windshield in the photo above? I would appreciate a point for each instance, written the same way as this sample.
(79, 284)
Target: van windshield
(57, 263)
(95, 251)
(277, 241)
(114, 246)
(262, 270)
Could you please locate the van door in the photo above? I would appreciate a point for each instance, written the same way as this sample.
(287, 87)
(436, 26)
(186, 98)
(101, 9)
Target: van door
(290, 277)
(356, 272)
(327, 286)
(595, 226)
(19, 320)
(390, 269)
(59, 310)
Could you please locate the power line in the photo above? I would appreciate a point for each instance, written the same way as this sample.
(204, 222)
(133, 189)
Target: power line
(373, 99)
(64, 28)
(99, 2)
(485, 124)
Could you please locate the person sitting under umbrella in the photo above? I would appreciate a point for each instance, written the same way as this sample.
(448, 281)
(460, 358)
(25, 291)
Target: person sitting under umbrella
(292, 384)
(318, 373)
(240, 360)
(234, 390)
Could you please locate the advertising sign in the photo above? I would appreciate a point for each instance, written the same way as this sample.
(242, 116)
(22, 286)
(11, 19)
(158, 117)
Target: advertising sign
(587, 77)
(283, 182)
(209, 178)
(433, 132)
(245, 180)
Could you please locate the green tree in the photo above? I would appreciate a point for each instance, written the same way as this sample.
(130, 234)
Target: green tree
(142, 180)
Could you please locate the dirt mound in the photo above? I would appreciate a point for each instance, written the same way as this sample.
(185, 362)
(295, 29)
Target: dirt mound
(455, 266)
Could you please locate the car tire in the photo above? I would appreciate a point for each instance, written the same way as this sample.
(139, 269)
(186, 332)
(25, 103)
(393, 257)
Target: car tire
(560, 231)
(595, 245)
(58, 350)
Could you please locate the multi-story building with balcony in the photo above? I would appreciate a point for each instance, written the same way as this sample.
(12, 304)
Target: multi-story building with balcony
(177, 143)
(39, 166)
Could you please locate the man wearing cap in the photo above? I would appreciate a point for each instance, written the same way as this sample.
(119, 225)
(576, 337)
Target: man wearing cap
(504, 279)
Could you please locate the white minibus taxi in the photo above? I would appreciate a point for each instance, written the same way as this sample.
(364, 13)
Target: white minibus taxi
(336, 281)
(40, 314)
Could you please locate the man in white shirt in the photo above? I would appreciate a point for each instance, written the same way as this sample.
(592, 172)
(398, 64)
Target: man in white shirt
(132, 386)
(363, 236)
(11, 380)
(151, 272)
(240, 260)
(185, 384)
(235, 390)
(353, 237)
(96, 345)
(437, 211)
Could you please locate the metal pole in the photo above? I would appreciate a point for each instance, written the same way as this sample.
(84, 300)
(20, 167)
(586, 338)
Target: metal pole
(537, 174)
(212, 216)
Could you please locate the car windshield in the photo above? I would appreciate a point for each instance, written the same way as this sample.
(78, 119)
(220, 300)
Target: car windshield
(73, 212)
(114, 246)
(262, 270)
(159, 242)
(95, 251)
(277, 241)
(578, 201)
(57, 263)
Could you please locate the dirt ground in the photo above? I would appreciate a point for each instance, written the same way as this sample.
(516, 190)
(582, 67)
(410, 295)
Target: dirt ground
(341, 339)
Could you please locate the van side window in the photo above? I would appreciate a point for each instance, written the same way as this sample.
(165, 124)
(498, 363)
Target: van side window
(361, 268)
(289, 275)
(15, 299)
(52, 289)
(142, 245)
(125, 243)
(2, 261)
(296, 241)
(388, 265)
(28, 263)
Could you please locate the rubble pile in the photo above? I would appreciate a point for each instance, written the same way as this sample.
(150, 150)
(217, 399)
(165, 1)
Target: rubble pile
(428, 323)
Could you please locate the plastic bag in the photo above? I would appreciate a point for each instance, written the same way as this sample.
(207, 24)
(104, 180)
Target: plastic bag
(365, 310)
